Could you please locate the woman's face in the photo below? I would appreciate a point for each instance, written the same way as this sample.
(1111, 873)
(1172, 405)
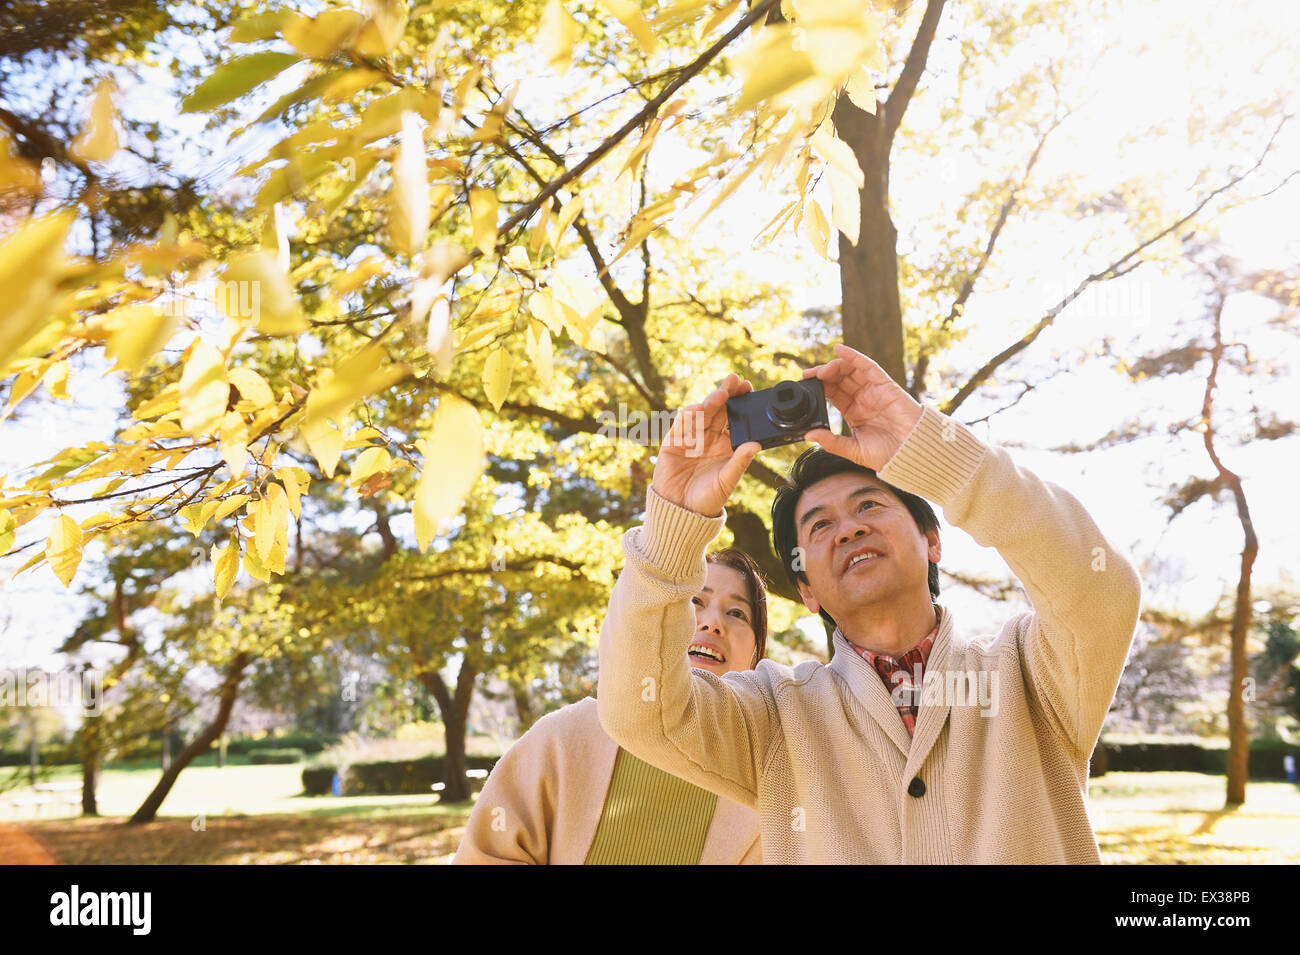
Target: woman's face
(724, 623)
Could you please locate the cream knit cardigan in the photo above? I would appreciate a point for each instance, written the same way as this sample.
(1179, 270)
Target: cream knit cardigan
(544, 799)
(821, 751)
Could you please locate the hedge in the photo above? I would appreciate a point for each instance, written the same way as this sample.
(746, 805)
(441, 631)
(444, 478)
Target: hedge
(1265, 758)
(385, 778)
(262, 757)
(309, 744)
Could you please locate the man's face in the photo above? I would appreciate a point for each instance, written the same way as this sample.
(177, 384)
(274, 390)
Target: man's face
(852, 515)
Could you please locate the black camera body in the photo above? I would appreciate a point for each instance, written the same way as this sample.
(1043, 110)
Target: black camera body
(778, 415)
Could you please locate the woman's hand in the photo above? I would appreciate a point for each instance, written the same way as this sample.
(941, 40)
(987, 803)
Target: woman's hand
(878, 410)
(696, 468)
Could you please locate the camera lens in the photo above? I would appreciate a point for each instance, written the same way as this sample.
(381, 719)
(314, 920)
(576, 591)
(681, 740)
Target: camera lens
(791, 406)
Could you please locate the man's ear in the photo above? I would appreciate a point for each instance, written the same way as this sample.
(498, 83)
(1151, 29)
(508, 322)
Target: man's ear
(809, 600)
(933, 549)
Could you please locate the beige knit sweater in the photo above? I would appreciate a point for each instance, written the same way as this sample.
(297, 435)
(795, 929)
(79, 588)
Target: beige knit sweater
(543, 800)
(821, 751)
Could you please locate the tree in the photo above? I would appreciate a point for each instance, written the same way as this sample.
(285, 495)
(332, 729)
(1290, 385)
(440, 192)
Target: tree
(1206, 350)
(431, 234)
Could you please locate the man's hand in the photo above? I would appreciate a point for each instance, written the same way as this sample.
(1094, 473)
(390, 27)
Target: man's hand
(696, 468)
(878, 410)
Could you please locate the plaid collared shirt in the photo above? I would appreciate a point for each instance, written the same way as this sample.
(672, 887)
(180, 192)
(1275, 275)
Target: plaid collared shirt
(903, 676)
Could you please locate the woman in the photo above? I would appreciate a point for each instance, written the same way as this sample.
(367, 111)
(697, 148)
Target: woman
(567, 794)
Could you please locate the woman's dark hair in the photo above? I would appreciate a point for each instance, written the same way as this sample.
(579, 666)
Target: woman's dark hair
(741, 562)
(817, 464)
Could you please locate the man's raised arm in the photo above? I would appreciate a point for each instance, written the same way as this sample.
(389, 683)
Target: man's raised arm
(1086, 595)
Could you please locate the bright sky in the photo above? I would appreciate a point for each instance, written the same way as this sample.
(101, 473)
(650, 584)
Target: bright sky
(1132, 92)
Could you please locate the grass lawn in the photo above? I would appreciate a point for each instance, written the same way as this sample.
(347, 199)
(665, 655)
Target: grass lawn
(1178, 819)
(255, 814)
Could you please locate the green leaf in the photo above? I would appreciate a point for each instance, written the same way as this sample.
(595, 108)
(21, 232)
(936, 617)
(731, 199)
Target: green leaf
(237, 78)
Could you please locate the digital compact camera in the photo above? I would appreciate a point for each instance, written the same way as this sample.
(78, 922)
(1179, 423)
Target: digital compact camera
(778, 415)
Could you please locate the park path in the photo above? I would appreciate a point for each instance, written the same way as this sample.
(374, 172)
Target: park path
(18, 848)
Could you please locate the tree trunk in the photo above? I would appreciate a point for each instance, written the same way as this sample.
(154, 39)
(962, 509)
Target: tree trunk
(455, 719)
(34, 755)
(523, 709)
(871, 314)
(90, 759)
(229, 693)
(1238, 730)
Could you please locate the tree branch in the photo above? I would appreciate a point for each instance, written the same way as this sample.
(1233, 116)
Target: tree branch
(913, 67)
(1121, 266)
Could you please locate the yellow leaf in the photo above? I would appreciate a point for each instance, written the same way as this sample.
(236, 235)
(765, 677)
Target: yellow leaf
(292, 492)
(233, 442)
(684, 11)
(630, 16)
(640, 149)
(537, 238)
(95, 520)
(579, 304)
(275, 236)
(225, 563)
(771, 66)
(453, 461)
(229, 506)
(323, 36)
(63, 548)
(718, 18)
(517, 258)
(8, 531)
(140, 333)
(408, 210)
(838, 155)
(438, 340)
(483, 332)
(55, 380)
(252, 387)
(22, 386)
(538, 343)
(266, 526)
(30, 261)
(345, 283)
(339, 388)
(385, 29)
(98, 140)
(497, 371)
(442, 260)
(861, 90)
(846, 205)
(483, 216)
(568, 212)
(254, 566)
(558, 34)
(204, 391)
(236, 78)
(275, 560)
(192, 518)
(815, 229)
(257, 289)
(165, 402)
(370, 461)
(325, 442)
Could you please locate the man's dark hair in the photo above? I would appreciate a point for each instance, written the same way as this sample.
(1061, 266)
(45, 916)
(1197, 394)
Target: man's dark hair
(817, 464)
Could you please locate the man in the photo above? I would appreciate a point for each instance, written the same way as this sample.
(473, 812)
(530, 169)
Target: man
(825, 753)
